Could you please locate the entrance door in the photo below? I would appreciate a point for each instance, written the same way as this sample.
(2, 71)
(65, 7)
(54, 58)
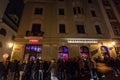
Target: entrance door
(63, 53)
(84, 52)
(33, 51)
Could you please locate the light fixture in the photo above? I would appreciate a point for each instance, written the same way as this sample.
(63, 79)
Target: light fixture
(82, 41)
(113, 43)
(10, 45)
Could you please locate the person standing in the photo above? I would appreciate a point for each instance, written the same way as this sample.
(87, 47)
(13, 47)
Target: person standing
(21, 69)
(4, 70)
(53, 70)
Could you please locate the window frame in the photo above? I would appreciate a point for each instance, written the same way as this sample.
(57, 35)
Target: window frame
(34, 30)
(38, 11)
(80, 29)
(93, 13)
(61, 11)
(98, 29)
(3, 32)
(62, 28)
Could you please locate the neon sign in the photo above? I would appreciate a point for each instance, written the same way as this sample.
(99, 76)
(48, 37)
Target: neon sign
(33, 41)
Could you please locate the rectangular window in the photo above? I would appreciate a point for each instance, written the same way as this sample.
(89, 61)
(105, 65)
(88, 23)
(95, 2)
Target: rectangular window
(61, 11)
(80, 29)
(74, 10)
(78, 9)
(98, 30)
(60, 0)
(93, 13)
(38, 11)
(89, 1)
(36, 29)
(62, 28)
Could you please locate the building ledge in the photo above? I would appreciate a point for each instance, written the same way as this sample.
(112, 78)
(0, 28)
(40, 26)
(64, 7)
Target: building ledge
(33, 37)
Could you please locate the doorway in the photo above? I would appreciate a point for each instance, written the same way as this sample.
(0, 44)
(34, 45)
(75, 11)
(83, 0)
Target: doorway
(63, 53)
(84, 50)
(32, 51)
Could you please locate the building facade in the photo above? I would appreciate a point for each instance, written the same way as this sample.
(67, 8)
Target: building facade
(63, 29)
(9, 21)
(111, 13)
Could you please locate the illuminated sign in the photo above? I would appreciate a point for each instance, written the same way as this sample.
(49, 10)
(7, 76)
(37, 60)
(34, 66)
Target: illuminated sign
(33, 41)
(82, 41)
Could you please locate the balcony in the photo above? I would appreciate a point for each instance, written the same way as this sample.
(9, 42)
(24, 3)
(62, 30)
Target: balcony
(31, 35)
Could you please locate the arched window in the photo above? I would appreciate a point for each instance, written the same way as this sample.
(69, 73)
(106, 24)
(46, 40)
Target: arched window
(3, 32)
(84, 52)
(63, 52)
(105, 52)
(32, 51)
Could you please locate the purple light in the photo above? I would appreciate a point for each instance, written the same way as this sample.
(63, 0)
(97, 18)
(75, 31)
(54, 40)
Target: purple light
(63, 56)
(84, 55)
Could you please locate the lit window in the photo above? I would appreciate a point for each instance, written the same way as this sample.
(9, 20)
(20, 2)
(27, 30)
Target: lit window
(63, 53)
(84, 52)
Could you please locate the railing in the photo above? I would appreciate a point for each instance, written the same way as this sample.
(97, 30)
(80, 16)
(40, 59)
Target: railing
(30, 33)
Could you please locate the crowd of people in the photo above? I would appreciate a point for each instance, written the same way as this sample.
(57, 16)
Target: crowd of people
(56, 69)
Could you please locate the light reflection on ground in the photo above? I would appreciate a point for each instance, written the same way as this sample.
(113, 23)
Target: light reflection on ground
(102, 67)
